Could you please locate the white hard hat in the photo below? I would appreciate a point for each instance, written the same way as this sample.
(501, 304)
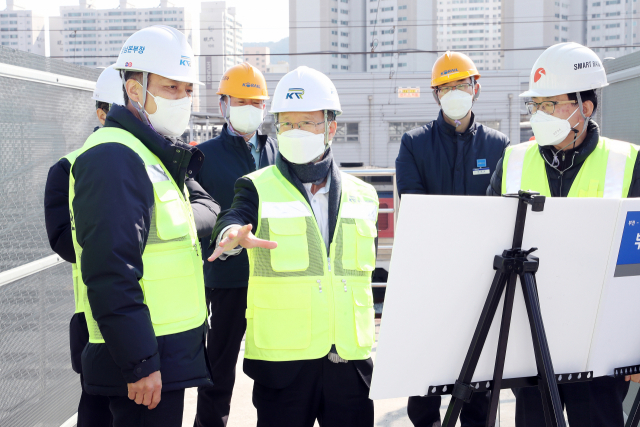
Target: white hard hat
(159, 50)
(566, 68)
(305, 89)
(109, 87)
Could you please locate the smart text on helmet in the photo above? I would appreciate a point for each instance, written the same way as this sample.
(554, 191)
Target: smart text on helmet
(133, 49)
(298, 92)
(445, 72)
(587, 64)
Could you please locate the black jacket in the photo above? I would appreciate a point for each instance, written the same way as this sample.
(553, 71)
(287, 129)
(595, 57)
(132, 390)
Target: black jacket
(58, 224)
(244, 210)
(560, 183)
(113, 207)
(435, 159)
(228, 158)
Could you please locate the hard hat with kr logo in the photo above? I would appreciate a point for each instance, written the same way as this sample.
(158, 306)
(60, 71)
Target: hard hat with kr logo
(565, 68)
(109, 87)
(160, 50)
(452, 66)
(305, 89)
(243, 81)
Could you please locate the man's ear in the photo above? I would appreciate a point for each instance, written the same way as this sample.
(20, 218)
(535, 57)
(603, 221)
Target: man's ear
(133, 90)
(587, 108)
(333, 128)
(102, 116)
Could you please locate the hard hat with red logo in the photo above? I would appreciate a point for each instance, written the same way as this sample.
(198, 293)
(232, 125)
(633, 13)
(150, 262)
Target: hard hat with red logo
(565, 68)
(452, 66)
(243, 81)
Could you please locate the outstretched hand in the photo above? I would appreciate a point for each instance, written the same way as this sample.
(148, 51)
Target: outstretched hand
(241, 236)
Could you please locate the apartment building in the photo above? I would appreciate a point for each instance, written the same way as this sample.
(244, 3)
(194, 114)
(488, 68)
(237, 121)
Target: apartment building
(612, 25)
(220, 48)
(259, 57)
(362, 35)
(21, 28)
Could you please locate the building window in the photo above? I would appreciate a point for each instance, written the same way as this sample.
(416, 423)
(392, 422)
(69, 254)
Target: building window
(397, 129)
(612, 37)
(387, 43)
(344, 67)
(373, 21)
(334, 44)
(387, 31)
(402, 42)
(333, 9)
(344, 44)
(387, 65)
(342, 33)
(344, 11)
(335, 67)
(613, 2)
(344, 22)
(344, 56)
(612, 14)
(335, 33)
(596, 4)
(402, 64)
(334, 21)
(387, 9)
(346, 132)
(373, 67)
(402, 7)
(402, 18)
(373, 55)
(387, 20)
(612, 26)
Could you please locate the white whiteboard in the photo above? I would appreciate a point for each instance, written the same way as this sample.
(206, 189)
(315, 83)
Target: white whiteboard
(441, 271)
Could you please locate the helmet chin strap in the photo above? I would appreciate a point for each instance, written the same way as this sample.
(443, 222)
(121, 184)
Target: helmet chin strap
(139, 108)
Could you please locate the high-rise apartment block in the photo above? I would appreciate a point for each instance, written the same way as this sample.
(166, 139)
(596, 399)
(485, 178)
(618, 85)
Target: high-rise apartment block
(220, 48)
(258, 56)
(340, 28)
(612, 25)
(22, 29)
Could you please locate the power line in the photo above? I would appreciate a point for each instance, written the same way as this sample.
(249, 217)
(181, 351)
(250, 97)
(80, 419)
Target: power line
(413, 51)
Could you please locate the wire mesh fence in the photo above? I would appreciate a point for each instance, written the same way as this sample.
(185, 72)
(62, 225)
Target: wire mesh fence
(39, 123)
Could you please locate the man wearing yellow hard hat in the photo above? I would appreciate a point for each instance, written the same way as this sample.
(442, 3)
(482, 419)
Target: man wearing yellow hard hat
(452, 155)
(239, 150)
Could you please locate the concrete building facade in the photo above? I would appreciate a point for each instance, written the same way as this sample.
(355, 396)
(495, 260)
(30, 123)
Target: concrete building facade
(22, 29)
(612, 25)
(258, 56)
(220, 48)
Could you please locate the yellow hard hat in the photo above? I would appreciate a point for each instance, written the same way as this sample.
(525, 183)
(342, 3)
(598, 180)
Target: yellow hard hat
(452, 66)
(243, 81)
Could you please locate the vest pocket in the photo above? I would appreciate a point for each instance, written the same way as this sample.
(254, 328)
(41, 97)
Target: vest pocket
(364, 315)
(170, 217)
(282, 318)
(170, 286)
(358, 247)
(292, 253)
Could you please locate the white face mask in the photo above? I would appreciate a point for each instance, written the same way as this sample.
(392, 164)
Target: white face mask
(301, 147)
(245, 119)
(456, 104)
(172, 115)
(550, 130)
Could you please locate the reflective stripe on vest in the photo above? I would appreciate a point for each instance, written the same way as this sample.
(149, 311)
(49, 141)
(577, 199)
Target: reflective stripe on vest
(173, 284)
(605, 173)
(302, 300)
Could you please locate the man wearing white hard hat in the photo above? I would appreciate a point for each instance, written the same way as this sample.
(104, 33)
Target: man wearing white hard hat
(93, 410)
(136, 239)
(310, 317)
(569, 158)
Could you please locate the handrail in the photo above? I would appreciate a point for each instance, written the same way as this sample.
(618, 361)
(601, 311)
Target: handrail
(381, 172)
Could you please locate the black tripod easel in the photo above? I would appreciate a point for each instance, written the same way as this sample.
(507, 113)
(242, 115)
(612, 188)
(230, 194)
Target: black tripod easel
(512, 263)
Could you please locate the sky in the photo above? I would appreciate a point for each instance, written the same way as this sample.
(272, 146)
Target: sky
(262, 21)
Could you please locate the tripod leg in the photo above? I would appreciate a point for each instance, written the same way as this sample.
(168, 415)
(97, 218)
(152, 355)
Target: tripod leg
(477, 343)
(634, 415)
(502, 349)
(547, 381)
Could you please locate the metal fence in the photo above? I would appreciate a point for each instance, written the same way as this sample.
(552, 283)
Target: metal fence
(46, 111)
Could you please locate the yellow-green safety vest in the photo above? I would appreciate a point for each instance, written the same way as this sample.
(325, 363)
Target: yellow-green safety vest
(79, 292)
(172, 282)
(302, 300)
(606, 173)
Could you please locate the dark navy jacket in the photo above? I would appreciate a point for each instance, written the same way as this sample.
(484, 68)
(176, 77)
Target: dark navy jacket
(435, 159)
(571, 162)
(228, 158)
(113, 205)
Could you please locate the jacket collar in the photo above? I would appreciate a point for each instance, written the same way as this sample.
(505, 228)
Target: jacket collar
(450, 130)
(179, 158)
(239, 141)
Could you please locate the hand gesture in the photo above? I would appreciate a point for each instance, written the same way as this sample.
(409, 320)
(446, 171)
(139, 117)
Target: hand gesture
(241, 236)
(146, 391)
